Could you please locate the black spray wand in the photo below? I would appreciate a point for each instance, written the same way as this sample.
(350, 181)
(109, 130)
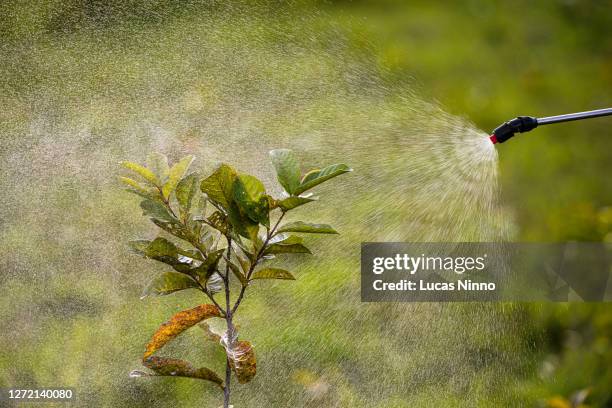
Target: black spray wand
(526, 123)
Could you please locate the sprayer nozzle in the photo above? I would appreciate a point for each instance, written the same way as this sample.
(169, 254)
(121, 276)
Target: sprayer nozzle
(517, 125)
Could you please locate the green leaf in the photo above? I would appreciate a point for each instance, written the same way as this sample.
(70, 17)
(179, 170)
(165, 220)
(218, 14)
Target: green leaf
(238, 273)
(139, 189)
(289, 245)
(248, 188)
(172, 367)
(190, 253)
(242, 260)
(316, 177)
(208, 240)
(300, 226)
(168, 282)
(218, 221)
(218, 186)
(208, 267)
(186, 190)
(161, 248)
(165, 251)
(272, 273)
(212, 259)
(175, 174)
(176, 229)
(287, 249)
(158, 163)
(139, 246)
(284, 239)
(241, 223)
(287, 169)
(142, 172)
(290, 203)
(249, 193)
(272, 202)
(155, 209)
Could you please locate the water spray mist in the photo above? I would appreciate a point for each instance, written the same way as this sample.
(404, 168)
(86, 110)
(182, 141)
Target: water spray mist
(523, 124)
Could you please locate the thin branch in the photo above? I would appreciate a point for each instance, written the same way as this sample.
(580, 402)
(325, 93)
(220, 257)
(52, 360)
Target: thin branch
(269, 235)
(210, 296)
(166, 201)
(230, 325)
(226, 279)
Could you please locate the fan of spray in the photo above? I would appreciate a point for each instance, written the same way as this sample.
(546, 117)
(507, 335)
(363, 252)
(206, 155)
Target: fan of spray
(207, 87)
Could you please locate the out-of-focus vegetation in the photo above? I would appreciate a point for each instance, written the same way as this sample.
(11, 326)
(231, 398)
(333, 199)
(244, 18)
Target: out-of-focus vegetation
(84, 84)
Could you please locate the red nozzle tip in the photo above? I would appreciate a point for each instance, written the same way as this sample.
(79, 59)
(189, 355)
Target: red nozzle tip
(493, 138)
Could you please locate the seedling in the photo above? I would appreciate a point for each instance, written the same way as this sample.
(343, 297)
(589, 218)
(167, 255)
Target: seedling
(218, 235)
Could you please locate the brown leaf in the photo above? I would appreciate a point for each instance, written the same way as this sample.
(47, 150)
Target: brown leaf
(242, 361)
(178, 324)
(173, 367)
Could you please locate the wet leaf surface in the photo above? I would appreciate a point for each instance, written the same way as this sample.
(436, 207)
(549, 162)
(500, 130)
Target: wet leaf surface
(155, 209)
(142, 171)
(167, 283)
(272, 273)
(291, 244)
(243, 362)
(218, 220)
(315, 177)
(175, 174)
(186, 190)
(287, 169)
(218, 186)
(173, 367)
(203, 272)
(290, 203)
(249, 194)
(300, 226)
(178, 324)
(158, 164)
(238, 273)
(136, 187)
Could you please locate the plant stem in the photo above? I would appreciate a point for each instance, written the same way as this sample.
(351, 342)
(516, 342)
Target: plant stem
(229, 312)
(207, 293)
(269, 235)
(230, 326)
(226, 389)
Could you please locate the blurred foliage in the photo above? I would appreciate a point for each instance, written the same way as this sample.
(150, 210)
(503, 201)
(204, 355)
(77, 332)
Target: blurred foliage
(110, 64)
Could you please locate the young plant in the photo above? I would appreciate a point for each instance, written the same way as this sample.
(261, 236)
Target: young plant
(223, 239)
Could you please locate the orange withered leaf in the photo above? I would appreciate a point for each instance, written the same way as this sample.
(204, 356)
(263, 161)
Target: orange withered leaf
(243, 362)
(178, 324)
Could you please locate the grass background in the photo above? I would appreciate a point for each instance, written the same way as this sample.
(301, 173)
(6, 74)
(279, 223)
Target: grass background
(85, 84)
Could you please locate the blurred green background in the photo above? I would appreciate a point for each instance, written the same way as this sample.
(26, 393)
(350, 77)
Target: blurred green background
(86, 83)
